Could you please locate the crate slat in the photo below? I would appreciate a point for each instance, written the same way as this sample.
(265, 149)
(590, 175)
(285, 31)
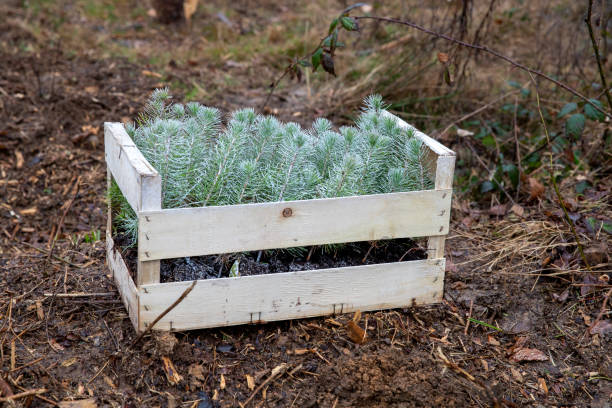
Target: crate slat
(264, 298)
(184, 232)
(125, 283)
(436, 147)
(139, 182)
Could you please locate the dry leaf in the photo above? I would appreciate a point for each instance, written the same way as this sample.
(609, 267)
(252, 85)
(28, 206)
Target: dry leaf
(467, 221)
(443, 57)
(165, 342)
(528, 354)
(602, 328)
(69, 362)
(29, 211)
(250, 382)
(197, 372)
(84, 403)
(562, 297)
(171, 374)
(108, 381)
(55, 345)
(536, 189)
(222, 382)
(498, 210)
(464, 132)
(189, 7)
(516, 374)
(518, 210)
(543, 386)
(485, 365)
(89, 129)
(458, 285)
(18, 159)
(146, 72)
(493, 341)
(171, 401)
(355, 333)
(39, 310)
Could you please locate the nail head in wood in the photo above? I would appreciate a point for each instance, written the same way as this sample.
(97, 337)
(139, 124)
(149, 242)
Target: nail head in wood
(287, 212)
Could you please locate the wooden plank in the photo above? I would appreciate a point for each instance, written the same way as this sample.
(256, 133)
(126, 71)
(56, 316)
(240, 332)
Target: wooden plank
(148, 272)
(435, 146)
(125, 284)
(184, 232)
(139, 182)
(263, 298)
(445, 168)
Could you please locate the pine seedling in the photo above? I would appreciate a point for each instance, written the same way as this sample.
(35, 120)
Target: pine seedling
(344, 178)
(259, 159)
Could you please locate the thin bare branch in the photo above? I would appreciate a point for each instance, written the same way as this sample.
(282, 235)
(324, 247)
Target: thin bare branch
(488, 51)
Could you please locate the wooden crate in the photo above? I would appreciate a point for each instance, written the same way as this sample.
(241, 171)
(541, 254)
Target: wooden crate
(173, 233)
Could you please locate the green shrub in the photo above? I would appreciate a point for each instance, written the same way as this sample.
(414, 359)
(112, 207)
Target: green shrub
(257, 159)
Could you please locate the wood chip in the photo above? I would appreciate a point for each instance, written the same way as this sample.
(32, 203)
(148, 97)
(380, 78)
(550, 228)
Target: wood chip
(516, 374)
(542, 385)
(222, 382)
(518, 210)
(171, 374)
(536, 189)
(146, 72)
(498, 210)
(84, 403)
(40, 313)
(250, 382)
(29, 211)
(528, 354)
(189, 7)
(18, 159)
(355, 333)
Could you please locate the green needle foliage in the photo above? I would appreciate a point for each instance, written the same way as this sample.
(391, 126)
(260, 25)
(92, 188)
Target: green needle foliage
(258, 159)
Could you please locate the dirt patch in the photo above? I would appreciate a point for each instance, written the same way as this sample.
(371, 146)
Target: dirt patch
(389, 377)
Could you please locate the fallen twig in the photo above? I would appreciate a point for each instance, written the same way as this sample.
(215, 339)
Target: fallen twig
(23, 394)
(80, 294)
(165, 312)
(276, 371)
(589, 24)
(48, 253)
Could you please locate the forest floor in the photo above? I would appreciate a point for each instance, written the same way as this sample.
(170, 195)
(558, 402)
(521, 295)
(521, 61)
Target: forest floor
(533, 338)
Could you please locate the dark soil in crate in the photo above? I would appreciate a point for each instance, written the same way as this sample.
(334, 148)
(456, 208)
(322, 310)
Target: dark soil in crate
(283, 260)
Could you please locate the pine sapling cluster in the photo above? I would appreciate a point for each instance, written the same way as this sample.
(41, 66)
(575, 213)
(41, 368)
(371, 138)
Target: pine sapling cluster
(256, 158)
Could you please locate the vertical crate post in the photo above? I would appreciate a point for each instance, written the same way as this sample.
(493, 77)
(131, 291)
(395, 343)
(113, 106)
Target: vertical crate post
(445, 166)
(150, 189)
(139, 182)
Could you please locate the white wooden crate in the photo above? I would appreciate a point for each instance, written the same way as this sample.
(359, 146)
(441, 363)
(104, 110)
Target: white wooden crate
(174, 233)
